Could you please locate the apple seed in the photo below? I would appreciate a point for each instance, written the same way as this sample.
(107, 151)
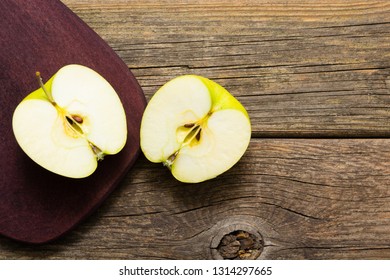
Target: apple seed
(197, 137)
(77, 119)
(192, 134)
(189, 125)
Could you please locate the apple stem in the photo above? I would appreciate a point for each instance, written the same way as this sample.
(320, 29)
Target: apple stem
(48, 94)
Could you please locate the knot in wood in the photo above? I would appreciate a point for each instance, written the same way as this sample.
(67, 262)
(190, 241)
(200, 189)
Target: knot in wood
(241, 245)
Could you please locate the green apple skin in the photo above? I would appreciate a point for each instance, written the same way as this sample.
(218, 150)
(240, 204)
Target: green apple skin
(45, 135)
(225, 130)
(39, 93)
(222, 99)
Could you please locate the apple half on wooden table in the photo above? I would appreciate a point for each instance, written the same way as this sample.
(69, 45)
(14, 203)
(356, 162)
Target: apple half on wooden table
(68, 124)
(195, 127)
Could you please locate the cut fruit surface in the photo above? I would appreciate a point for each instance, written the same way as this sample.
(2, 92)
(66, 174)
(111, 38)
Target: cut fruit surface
(71, 122)
(82, 92)
(195, 127)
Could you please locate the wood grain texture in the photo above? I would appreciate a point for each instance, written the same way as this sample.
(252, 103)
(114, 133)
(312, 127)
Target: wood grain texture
(309, 199)
(303, 69)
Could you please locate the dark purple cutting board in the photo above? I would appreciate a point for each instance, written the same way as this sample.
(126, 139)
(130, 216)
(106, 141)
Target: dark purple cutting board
(37, 206)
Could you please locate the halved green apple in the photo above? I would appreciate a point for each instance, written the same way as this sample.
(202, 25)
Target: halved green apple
(195, 127)
(71, 122)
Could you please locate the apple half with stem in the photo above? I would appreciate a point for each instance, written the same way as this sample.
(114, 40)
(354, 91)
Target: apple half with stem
(195, 127)
(69, 124)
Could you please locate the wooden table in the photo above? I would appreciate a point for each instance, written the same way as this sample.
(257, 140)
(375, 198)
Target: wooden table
(315, 181)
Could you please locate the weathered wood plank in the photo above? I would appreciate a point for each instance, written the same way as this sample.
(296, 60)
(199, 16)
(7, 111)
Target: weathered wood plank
(301, 68)
(312, 199)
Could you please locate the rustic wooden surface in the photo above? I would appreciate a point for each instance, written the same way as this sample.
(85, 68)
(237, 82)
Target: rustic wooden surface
(315, 78)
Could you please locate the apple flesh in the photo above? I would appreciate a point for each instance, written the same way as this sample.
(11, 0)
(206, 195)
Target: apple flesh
(195, 127)
(71, 122)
